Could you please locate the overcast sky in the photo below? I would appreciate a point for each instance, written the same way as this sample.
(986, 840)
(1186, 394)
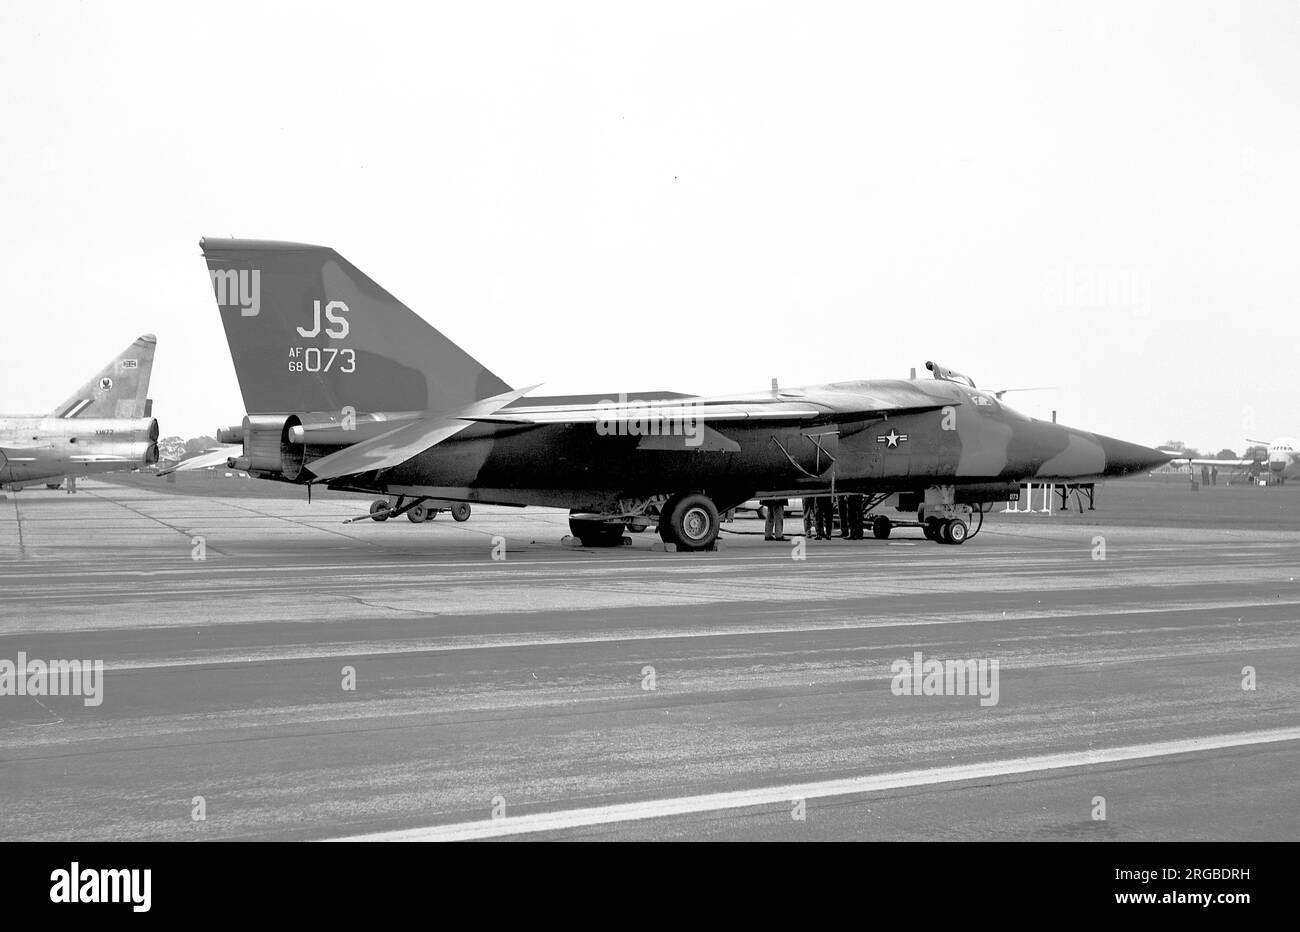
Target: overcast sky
(699, 196)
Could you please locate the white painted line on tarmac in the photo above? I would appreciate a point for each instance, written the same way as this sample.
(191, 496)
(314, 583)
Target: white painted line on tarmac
(372, 650)
(742, 799)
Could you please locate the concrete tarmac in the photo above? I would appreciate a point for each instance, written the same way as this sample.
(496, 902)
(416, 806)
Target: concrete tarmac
(629, 693)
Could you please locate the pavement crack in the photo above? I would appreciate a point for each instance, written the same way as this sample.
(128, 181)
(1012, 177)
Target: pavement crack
(297, 523)
(58, 719)
(18, 518)
(391, 608)
(189, 535)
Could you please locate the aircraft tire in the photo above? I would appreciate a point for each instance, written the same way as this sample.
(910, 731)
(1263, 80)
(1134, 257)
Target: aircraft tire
(881, 527)
(460, 511)
(596, 533)
(955, 531)
(379, 510)
(418, 514)
(690, 522)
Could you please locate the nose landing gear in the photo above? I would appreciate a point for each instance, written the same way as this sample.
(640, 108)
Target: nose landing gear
(955, 531)
(946, 530)
(939, 517)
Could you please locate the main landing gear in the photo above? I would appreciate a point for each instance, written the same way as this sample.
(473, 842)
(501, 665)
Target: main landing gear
(687, 520)
(592, 532)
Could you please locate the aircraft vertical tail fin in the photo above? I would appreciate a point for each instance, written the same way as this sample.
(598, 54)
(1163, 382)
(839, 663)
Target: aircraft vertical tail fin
(309, 331)
(120, 389)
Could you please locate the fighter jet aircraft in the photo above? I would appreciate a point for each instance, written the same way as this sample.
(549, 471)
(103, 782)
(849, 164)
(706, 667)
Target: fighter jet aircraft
(345, 386)
(104, 426)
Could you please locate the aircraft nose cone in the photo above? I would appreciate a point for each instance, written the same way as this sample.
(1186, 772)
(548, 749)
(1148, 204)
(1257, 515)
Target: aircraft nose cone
(1123, 458)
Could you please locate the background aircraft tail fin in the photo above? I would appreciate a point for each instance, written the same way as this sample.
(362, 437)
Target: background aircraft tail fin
(117, 390)
(309, 331)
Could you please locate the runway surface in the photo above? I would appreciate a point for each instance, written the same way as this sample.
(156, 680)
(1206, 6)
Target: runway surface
(570, 693)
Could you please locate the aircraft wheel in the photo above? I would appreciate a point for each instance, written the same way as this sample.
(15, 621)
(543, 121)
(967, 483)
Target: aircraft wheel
(596, 533)
(881, 527)
(931, 531)
(379, 510)
(690, 522)
(418, 514)
(460, 511)
(955, 531)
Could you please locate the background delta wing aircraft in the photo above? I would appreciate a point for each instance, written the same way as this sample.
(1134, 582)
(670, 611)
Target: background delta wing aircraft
(104, 426)
(344, 385)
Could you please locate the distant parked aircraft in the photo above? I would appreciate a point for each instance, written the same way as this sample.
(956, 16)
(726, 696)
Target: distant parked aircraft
(104, 426)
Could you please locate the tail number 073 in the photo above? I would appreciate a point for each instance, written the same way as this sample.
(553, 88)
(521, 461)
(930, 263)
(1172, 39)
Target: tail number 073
(316, 359)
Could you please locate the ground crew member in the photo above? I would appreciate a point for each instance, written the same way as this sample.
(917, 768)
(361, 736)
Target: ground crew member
(843, 502)
(854, 507)
(775, 527)
(809, 511)
(825, 517)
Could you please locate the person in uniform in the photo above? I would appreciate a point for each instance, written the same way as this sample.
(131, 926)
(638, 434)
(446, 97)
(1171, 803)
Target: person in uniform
(809, 515)
(842, 502)
(853, 512)
(825, 517)
(775, 527)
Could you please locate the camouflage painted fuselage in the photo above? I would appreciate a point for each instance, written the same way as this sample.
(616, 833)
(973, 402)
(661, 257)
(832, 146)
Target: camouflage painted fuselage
(968, 439)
